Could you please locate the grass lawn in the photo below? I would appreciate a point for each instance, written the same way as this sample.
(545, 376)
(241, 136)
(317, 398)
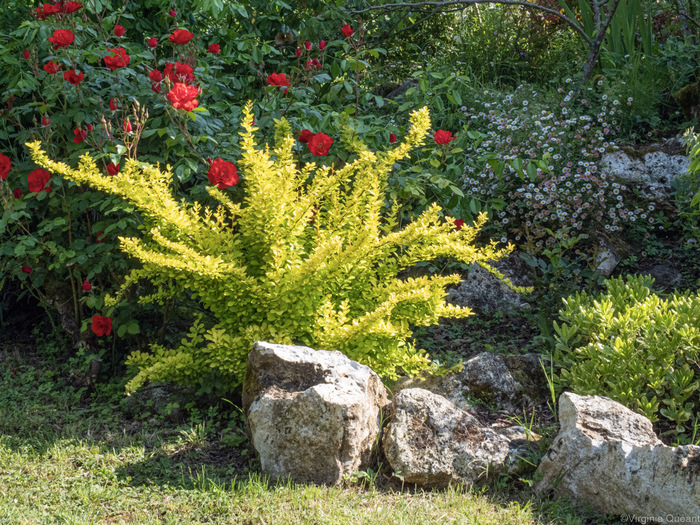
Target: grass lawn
(76, 454)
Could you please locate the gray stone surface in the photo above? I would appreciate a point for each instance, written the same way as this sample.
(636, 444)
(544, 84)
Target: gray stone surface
(432, 443)
(313, 415)
(608, 458)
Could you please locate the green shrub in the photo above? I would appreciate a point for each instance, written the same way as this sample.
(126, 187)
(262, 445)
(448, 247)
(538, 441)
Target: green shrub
(309, 257)
(631, 345)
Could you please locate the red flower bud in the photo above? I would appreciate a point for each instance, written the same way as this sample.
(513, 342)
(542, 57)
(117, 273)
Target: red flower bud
(308, 45)
(119, 30)
(79, 135)
(347, 30)
(392, 138)
(322, 45)
(156, 88)
(298, 52)
(90, 127)
(126, 126)
(27, 269)
(214, 48)
(86, 286)
(113, 104)
(45, 121)
(172, 13)
(17, 193)
(458, 224)
(112, 169)
(152, 42)
(26, 54)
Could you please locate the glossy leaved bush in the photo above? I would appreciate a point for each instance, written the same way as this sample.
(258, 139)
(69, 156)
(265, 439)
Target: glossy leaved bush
(309, 256)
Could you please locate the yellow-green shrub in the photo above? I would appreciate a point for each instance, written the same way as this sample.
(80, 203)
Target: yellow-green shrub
(311, 256)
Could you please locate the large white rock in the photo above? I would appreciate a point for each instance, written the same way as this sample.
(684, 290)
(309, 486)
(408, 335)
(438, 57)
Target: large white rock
(313, 415)
(432, 443)
(608, 458)
(653, 172)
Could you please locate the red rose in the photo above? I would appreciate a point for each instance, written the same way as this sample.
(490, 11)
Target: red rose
(298, 52)
(26, 54)
(73, 77)
(309, 65)
(90, 127)
(152, 42)
(155, 76)
(51, 68)
(278, 79)
(45, 121)
(62, 38)
(443, 137)
(71, 7)
(320, 144)
(223, 173)
(183, 96)
(119, 30)
(322, 45)
(172, 13)
(86, 286)
(37, 181)
(112, 169)
(316, 63)
(308, 45)
(392, 138)
(99, 237)
(17, 193)
(79, 135)
(27, 269)
(101, 325)
(458, 224)
(214, 48)
(113, 104)
(118, 59)
(347, 30)
(5, 165)
(179, 72)
(181, 37)
(156, 88)
(126, 126)
(305, 136)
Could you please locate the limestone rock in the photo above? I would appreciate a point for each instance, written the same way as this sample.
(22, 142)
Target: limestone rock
(432, 443)
(313, 415)
(510, 382)
(608, 457)
(483, 291)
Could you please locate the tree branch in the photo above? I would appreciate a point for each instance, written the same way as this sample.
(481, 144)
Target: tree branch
(445, 3)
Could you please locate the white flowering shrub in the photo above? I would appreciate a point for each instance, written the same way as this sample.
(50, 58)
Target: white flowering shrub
(540, 166)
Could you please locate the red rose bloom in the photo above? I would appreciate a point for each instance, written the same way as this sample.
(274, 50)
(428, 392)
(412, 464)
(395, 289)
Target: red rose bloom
(183, 96)
(347, 30)
(113, 104)
(17, 193)
(52, 68)
(392, 138)
(119, 30)
(37, 181)
(73, 77)
(62, 38)
(172, 13)
(118, 59)
(321, 45)
(86, 286)
(179, 72)
(152, 42)
(458, 224)
(26, 54)
(305, 136)
(320, 144)
(45, 121)
(223, 173)
(156, 88)
(181, 37)
(155, 76)
(101, 325)
(443, 137)
(27, 269)
(5, 165)
(71, 7)
(214, 48)
(278, 79)
(112, 169)
(79, 135)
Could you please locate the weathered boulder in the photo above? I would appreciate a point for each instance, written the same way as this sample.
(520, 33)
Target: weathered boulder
(313, 415)
(510, 382)
(608, 458)
(653, 171)
(666, 276)
(432, 443)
